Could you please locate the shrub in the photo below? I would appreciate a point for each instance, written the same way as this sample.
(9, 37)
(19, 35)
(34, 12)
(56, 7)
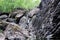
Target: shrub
(9, 5)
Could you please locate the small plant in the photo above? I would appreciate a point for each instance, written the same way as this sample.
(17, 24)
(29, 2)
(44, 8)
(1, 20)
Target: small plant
(9, 5)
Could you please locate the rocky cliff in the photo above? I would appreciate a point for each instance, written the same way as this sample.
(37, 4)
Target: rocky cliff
(36, 24)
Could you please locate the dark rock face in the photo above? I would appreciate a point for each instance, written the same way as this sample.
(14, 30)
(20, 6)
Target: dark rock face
(47, 21)
(17, 39)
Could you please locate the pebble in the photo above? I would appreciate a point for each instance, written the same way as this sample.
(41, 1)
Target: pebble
(3, 16)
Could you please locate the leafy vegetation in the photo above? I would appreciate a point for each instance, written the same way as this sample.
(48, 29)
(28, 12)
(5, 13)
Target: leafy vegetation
(9, 5)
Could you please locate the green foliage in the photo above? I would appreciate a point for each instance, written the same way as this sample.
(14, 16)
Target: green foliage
(9, 5)
(1, 30)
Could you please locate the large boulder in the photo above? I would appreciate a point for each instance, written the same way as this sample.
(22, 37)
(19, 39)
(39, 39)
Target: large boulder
(47, 21)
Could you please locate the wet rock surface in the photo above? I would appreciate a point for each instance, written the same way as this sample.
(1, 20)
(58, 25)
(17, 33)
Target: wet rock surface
(36, 24)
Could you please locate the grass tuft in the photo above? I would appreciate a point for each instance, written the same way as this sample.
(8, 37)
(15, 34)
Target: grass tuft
(9, 5)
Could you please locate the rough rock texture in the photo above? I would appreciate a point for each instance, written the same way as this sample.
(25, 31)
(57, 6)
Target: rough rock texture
(36, 24)
(47, 21)
(17, 25)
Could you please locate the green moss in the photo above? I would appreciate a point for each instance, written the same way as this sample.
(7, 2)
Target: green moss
(9, 5)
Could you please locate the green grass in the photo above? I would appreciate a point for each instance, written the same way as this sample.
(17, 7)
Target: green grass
(9, 5)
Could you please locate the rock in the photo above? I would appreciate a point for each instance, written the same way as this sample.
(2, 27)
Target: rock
(33, 12)
(3, 26)
(47, 20)
(23, 22)
(11, 20)
(16, 31)
(12, 34)
(3, 16)
(3, 13)
(13, 31)
(12, 15)
(2, 36)
(17, 13)
(18, 17)
(17, 39)
(6, 38)
(36, 24)
(20, 13)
